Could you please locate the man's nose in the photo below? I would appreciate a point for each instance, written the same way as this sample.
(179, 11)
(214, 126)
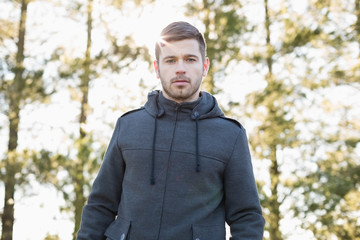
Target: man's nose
(180, 67)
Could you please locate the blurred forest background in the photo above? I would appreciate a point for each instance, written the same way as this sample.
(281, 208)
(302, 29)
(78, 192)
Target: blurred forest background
(288, 70)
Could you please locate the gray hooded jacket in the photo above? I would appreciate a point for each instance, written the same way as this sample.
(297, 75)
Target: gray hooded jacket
(174, 172)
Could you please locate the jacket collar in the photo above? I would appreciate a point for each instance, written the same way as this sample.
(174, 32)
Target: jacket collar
(204, 107)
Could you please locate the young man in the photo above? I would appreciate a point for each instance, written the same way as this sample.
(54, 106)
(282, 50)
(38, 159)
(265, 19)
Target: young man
(175, 169)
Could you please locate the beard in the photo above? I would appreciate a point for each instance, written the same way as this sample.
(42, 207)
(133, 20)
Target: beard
(188, 92)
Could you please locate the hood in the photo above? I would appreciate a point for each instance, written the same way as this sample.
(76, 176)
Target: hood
(205, 107)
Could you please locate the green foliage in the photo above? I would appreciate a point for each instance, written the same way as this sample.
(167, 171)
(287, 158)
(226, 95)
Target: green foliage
(114, 58)
(297, 36)
(327, 204)
(328, 191)
(47, 166)
(52, 237)
(225, 26)
(71, 169)
(300, 56)
(20, 168)
(329, 194)
(7, 30)
(275, 111)
(19, 86)
(274, 106)
(119, 3)
(120, 57)
(27, 89)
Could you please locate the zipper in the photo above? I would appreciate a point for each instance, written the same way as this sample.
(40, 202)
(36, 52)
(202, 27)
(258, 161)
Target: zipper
(177, 109)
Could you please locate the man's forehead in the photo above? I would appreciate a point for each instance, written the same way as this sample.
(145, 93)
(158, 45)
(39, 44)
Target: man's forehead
(187, 46)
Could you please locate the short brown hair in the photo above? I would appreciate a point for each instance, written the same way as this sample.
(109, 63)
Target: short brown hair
(178, 31)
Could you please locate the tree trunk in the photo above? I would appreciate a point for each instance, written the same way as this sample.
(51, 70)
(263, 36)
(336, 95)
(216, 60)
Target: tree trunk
(269, 48)
(11, 165)
(357, 26)
(274, 205)
(83, 155)
(208, 83)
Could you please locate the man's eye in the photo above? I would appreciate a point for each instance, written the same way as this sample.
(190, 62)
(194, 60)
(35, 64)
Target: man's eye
(170, 61)
(190, 60)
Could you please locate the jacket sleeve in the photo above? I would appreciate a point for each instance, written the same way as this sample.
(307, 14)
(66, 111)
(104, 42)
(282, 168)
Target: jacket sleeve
(102, 205)
(243, 210)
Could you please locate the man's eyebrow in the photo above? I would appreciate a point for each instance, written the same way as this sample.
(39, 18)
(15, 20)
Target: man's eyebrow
(191, 55)
(170, 56)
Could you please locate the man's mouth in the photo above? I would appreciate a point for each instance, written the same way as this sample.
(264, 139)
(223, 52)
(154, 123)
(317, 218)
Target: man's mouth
(180, 79)
(180, 83)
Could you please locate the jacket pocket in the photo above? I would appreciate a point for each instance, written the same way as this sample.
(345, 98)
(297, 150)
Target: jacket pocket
(214, 232)
(118, 230)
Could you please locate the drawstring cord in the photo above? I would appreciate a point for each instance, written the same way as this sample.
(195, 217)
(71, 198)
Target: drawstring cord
(152, 178)
(197, 142)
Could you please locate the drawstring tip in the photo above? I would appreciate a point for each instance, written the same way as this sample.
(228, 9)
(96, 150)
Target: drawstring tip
(152, 181)
(198, 168)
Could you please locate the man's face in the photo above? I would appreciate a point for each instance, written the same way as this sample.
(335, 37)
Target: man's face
(181, 70)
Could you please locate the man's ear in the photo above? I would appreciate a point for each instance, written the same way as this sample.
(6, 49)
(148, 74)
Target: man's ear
(206, 66)
(156, 67)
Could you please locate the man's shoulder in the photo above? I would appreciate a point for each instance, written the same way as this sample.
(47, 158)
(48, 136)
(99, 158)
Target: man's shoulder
(128, 113)
(232, 122)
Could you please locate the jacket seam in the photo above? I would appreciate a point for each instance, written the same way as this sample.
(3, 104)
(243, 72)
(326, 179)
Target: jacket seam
(117, 137)
(163, 150)
(233, 148)
(132, 111)
(166, 178)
